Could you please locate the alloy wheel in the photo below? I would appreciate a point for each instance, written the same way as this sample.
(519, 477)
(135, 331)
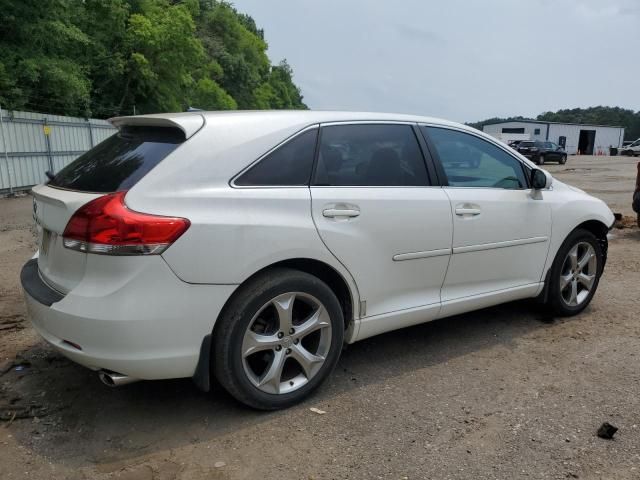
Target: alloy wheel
(286, 343)
(578, 274)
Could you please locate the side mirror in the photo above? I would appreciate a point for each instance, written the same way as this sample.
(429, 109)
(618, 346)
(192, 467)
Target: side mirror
(540, 179)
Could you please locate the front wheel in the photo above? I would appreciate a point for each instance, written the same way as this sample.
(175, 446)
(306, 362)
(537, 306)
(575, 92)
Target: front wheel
(575, 273)
(563, 160)
(278, 339)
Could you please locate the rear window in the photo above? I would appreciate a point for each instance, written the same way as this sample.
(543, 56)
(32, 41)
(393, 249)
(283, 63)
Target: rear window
(120, 161)
(527, 144)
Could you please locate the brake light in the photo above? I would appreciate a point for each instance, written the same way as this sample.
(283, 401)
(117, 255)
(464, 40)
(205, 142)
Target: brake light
(105, 225)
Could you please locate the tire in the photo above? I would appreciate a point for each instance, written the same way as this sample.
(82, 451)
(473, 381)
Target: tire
(540, 160)
(567, 275)
(563, 160)
(271, 377)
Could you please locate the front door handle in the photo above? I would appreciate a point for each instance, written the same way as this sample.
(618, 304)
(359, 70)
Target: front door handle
(340, 212)
(462, 211)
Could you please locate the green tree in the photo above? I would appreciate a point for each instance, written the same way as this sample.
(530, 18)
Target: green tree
(105, 57)
(163, 55)
(612, 116)
(479, 125)
(92, 57)
(38, 43)
(240, 52)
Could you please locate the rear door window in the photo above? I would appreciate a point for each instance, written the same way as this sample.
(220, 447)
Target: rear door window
(371, 155)
(120, 161)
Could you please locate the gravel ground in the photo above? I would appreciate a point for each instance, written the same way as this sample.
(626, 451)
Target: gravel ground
(502, 393)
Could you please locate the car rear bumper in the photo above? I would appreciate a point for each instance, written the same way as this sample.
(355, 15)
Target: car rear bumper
(148, 324)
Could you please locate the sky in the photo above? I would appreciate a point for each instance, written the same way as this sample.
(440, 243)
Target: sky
(462, 60)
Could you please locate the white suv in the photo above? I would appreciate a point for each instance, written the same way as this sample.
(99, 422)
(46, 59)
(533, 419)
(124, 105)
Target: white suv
(632, 150)
(252, 245)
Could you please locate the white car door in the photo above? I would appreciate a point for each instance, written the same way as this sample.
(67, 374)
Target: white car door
(501, 227)
(374, 208)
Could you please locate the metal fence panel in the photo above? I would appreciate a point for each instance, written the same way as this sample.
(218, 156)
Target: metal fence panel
(32, 143)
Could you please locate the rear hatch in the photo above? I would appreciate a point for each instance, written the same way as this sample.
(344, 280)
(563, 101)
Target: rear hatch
(115, 165)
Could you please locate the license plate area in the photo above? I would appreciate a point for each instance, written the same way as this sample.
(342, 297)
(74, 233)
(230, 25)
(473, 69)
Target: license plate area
(46, 238)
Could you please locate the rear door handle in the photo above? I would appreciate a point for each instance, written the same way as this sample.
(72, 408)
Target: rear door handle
(461, 211)
(340, 212)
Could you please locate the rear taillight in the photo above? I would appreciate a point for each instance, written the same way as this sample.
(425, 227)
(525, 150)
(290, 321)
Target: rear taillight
(105, 225)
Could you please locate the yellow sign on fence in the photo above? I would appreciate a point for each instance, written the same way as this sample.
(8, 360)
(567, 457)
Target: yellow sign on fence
(47, 130)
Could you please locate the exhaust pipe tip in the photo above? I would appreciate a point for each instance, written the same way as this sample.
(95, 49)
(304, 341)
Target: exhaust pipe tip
(113, 379)
(106, 379)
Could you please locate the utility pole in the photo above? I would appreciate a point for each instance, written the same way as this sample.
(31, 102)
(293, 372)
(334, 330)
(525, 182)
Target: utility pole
(6, 155)
(47, 132)
(90, 133)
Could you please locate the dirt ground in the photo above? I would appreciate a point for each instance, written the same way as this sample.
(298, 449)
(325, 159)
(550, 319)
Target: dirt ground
(499, 394)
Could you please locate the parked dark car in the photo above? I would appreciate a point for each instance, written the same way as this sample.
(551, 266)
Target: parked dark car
(541, 152)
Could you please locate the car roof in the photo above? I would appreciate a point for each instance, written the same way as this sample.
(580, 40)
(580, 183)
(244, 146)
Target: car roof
(191, 122)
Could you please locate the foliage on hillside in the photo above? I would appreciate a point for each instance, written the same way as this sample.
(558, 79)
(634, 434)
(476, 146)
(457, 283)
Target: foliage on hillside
(98, 58)
(479, 125)
(614, 116)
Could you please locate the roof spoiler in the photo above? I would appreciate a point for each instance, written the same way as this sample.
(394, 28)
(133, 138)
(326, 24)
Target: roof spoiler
(189, 123)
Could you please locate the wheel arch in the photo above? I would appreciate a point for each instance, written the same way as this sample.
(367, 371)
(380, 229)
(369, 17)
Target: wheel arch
(599, 229)
(329, 275)
(347, 296)
(346, 291)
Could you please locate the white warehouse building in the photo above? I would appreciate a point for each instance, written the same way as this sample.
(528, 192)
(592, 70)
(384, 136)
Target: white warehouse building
(585, 139)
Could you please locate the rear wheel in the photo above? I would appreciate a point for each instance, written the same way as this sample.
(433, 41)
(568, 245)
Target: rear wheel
(278, 339)
(541, 160)
(575, 273)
